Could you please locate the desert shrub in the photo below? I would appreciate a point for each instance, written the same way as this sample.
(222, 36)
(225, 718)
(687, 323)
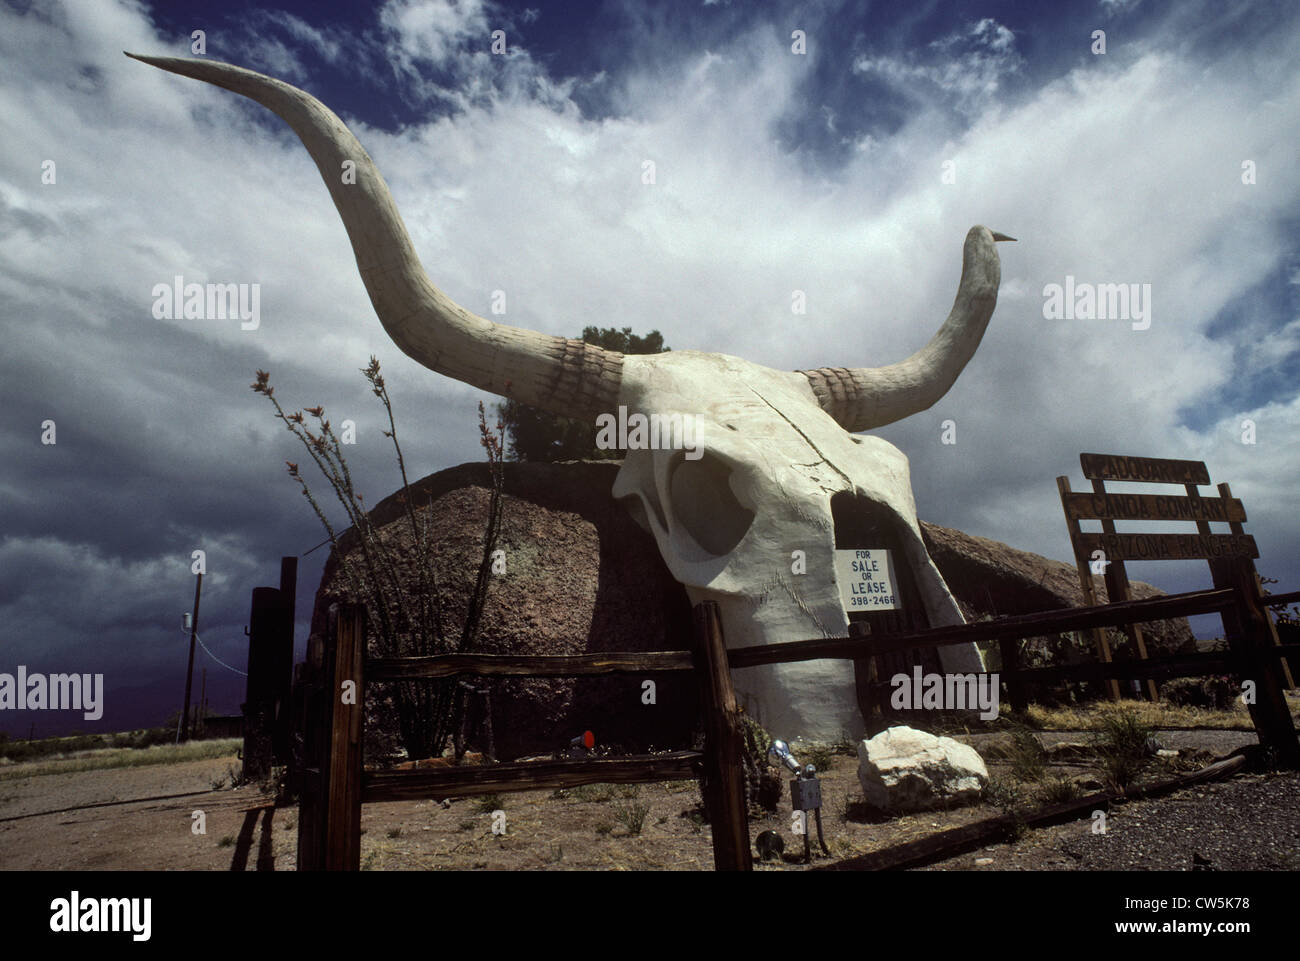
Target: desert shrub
(403, 602)
(632, 815)
(1057, 650)
(819, 756)
(1287, 619)
(1215, 693)
(1008, 796)
(488, 803)
(1121, 744)
(762, 781)
(1057, 789)
(845, 746)
(1027, 757)
(1183, 692)
(595, 793)
(1221, 690)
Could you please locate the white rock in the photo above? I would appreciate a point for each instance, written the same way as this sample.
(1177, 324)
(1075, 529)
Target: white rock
(902, 769)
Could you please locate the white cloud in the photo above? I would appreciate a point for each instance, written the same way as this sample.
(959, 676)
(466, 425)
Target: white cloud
(433, 30)
(1116, 172)
(965, 68)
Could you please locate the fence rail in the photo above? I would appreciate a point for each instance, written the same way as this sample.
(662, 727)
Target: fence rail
(1009, 628)
(528, 776)
(1280, 600)
(334, 785)
(526, 665)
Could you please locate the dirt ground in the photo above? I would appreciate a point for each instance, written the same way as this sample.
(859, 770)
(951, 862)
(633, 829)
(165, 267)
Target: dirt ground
(1248, 823)
(593, 828)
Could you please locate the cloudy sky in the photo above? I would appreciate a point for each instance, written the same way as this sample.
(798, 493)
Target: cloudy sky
(850, 171)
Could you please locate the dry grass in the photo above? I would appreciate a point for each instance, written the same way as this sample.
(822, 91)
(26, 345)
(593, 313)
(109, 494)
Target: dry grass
(123, 757)
(1157, 715)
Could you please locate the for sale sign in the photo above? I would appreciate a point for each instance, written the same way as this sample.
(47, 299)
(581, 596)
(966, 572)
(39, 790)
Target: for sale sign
(866, 579)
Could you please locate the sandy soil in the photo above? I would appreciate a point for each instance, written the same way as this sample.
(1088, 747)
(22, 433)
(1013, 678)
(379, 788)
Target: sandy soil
(588, 828)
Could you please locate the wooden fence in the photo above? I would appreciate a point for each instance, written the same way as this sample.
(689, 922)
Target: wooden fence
(332, 783)
(330, 694)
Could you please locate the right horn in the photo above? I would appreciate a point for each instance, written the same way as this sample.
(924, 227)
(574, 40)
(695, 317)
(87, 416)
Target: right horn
(566, 377)
(862, 398)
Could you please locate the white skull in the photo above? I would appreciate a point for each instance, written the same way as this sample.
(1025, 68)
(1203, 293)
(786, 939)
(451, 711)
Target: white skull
(728, 521)
(776, 445)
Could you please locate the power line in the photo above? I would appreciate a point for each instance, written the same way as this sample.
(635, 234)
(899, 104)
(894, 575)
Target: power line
(215, 658)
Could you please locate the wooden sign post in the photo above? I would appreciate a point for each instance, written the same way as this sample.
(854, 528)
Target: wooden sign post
(1229, 555)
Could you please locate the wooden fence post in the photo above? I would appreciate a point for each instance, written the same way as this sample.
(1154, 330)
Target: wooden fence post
(1010, 650)
(864, 676)
(310, 750)
(1249, 638)
(1225, 491)
(723, 751)
(1082, 563)
(346, 693)
(282, 661)
(265, 626)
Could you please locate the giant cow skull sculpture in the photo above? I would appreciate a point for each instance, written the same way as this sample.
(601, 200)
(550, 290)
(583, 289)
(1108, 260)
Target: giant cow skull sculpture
(776, 445)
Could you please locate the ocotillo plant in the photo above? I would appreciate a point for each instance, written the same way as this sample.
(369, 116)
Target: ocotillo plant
(406, 614)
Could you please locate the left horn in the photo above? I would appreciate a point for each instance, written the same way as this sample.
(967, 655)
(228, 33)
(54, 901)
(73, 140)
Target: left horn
(566, 377)
(861, 398)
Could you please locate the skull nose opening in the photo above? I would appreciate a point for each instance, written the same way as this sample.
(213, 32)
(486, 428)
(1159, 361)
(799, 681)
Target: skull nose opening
(704, 507)
(861, 523)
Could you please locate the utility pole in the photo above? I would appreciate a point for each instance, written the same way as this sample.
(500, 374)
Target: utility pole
(189, 671)
(203, 703)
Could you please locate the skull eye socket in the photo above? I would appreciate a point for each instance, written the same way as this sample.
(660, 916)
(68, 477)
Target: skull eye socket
(704, 506)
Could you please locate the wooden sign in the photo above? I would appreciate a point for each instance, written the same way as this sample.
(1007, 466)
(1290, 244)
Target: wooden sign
(1168, 547)
(1152, 507)
(1151, 470)
(1229, 555)
(866, 580)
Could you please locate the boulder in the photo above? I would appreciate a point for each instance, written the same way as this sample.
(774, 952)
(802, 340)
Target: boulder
(902, 769)
(990, 579)
(582, 577)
